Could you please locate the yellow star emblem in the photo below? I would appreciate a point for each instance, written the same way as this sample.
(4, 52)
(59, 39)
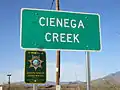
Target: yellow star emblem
(35, 62)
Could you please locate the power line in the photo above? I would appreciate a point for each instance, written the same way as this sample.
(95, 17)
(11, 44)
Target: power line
(52, 4)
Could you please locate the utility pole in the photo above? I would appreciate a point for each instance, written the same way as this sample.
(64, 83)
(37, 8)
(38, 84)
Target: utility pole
(9, 81)
(58, 54)
(58, 68)
(57, 5)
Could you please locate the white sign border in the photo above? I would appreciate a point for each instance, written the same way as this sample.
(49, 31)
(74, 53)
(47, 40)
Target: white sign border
(64, 12)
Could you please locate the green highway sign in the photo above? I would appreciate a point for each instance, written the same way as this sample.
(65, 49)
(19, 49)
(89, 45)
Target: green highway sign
(35, 66)
(50, 29)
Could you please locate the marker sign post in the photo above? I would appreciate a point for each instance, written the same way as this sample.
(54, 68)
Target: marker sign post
(35, 66)
(62, 30)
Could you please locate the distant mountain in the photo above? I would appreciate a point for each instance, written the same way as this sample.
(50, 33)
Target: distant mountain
(114, 78)
(75, 82)
(48, 83)
(111, 79)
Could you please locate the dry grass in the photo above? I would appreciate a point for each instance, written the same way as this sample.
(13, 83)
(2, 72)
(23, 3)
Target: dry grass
(65, 87)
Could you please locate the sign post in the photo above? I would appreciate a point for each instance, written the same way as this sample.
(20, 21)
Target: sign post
(34, 86)
(88, 74)
(59, 30)
(35, 66)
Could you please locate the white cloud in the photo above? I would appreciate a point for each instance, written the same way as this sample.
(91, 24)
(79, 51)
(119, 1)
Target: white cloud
(98, 74)
(17, 75)
(2, 78)
(51, 72)
(72, 72)
(69, 72)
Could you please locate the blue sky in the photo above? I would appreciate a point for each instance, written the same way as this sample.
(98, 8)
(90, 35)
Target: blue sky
(102, 63)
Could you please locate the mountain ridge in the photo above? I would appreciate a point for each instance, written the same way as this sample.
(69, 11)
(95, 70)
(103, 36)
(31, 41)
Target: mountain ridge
(113, 78)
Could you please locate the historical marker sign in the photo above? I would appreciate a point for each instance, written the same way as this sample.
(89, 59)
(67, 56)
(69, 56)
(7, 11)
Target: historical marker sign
(35, 66)
(59, 30)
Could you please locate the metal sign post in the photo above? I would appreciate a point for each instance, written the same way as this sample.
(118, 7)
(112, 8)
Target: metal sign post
(88, 69)
(34, 86)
